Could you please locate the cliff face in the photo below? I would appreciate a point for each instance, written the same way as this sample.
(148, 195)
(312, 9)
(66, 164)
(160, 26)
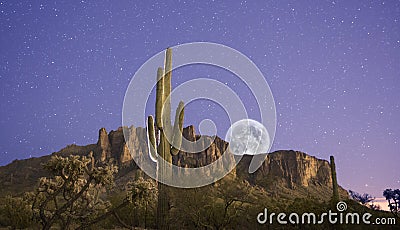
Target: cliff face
(283, 172)
(294, 167)
(215, 150)
(291, 173)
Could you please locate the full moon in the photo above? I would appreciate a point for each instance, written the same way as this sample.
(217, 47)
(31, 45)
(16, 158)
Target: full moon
(248, 137)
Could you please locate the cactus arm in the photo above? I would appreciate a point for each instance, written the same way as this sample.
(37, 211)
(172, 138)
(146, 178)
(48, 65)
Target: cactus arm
(159, 96)
(151, 135)
(178, 129)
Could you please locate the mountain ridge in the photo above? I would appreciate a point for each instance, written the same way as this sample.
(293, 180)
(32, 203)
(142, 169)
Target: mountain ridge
(284, 173)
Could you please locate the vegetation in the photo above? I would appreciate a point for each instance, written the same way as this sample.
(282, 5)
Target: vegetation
(16, 212)
(76, 197)
(226, 205)
(72, 195)
(364, 199)
(393, 198)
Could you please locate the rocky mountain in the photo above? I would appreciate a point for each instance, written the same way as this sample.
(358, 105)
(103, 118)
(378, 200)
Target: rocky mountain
(284, 173)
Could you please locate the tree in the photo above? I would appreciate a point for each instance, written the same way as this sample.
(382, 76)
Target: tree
(72, 195)
(363, 199)
(393, 198)
(75, 194)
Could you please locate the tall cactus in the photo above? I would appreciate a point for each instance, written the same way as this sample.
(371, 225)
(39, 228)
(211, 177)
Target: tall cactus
(335, 195)
(167, 88)
(159, 145)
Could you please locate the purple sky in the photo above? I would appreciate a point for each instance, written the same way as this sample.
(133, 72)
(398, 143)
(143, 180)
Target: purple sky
(333, 67)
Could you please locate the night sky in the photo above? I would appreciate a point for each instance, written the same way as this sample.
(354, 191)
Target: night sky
(333, 68)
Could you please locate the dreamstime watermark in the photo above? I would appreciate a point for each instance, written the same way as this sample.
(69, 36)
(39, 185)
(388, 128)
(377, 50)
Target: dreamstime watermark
(332, 217)
(205, 53)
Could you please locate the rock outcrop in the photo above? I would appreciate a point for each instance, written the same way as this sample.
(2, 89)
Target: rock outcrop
(103, 145)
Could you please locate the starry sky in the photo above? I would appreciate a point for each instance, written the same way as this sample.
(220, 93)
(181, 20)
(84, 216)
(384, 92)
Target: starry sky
(333, 68)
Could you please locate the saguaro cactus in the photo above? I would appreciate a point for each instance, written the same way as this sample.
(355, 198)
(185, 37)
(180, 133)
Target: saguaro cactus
(159, 144)
(335, 195)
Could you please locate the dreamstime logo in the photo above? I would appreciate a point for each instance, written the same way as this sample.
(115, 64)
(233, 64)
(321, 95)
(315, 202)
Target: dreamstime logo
(245, 135)
(341, 206)
(331, 216)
